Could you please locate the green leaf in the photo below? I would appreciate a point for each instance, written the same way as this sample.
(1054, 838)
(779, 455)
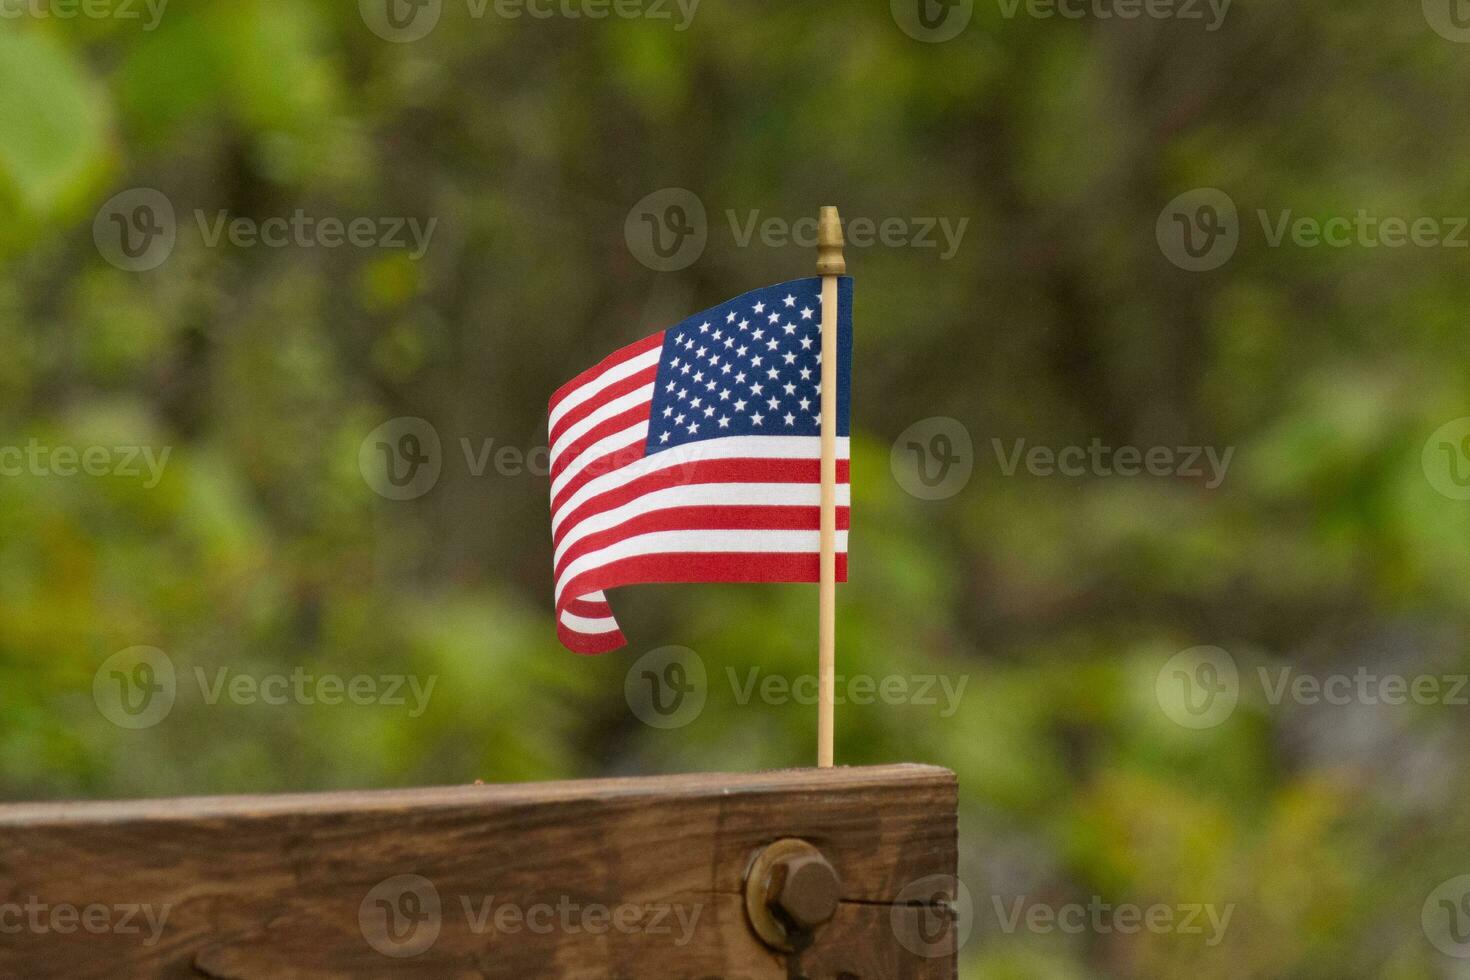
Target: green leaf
(53, 128)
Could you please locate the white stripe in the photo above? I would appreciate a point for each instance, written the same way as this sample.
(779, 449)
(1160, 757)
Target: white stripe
(626, 369)
(584, 625)
(728, 447)
(701, 541)
(703, 495)
(631, 436)
(601, 414)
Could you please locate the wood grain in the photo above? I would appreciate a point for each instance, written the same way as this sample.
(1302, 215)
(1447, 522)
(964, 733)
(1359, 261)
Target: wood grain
(628, 878)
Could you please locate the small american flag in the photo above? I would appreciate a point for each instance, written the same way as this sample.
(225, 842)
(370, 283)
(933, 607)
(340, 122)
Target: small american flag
(694, 456)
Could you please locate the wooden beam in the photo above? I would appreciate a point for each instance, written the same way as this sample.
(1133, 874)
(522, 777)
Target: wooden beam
(636, 878)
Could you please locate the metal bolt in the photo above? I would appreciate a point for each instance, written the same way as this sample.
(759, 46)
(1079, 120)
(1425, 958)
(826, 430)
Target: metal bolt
(791, 890)
(807, 891)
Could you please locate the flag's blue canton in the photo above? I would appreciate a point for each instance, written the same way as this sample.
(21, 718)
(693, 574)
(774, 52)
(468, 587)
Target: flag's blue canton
(751, 367)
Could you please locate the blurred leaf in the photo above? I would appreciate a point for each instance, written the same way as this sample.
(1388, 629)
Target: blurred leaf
(53, 123)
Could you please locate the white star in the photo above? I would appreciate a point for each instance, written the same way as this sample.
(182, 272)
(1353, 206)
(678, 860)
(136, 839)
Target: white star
(740, 404)
(695, 402)
(679, 419)
(663, 437)
(757, 418)
(693, 427)
(725, 395)
(709, 386)
(790, 388)
(709, 411)
(790, 419)
(698, 375)
(789, 357)
(714, 361)
(740, 378)
(773, 403)
(805, 404)
(744, 324)
(760, 307)
(817, 419)
(731, 317)
(701, 351)
(729, 342)
(806, 343)
(759, 333)
(740, 351)
(683, 393)
(771, 344)
(704, 328)
(718, 334)
(790, 328)
(724, 369)
(757, 388)
(684, 369)
(674, 362)
(806, 374)
(669, 409)
(806, 312)
(756, 360)
(670, 386)
(789, 300)
(774, 318)
(773, 374)
(724, 422)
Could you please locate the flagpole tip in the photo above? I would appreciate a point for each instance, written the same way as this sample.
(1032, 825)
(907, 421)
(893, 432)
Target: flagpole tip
(829, 243)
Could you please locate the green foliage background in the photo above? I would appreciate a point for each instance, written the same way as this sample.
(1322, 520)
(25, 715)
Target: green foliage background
(1059, 320)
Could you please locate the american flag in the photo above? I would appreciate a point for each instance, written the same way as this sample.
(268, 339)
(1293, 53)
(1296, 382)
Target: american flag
(694, 456)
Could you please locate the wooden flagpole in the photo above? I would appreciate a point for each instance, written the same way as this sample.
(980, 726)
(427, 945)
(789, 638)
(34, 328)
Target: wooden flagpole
(830, 265)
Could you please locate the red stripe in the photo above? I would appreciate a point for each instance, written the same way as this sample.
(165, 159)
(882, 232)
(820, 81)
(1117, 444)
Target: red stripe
(588, 608)
(589, 644)
(723, 517)
(607, 363)
(607, 427)
(615, 390)
(736, 470)
(600, 466)
(681, 567)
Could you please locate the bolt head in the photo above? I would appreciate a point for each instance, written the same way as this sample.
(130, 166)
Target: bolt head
(807, 893)
(791, 890)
